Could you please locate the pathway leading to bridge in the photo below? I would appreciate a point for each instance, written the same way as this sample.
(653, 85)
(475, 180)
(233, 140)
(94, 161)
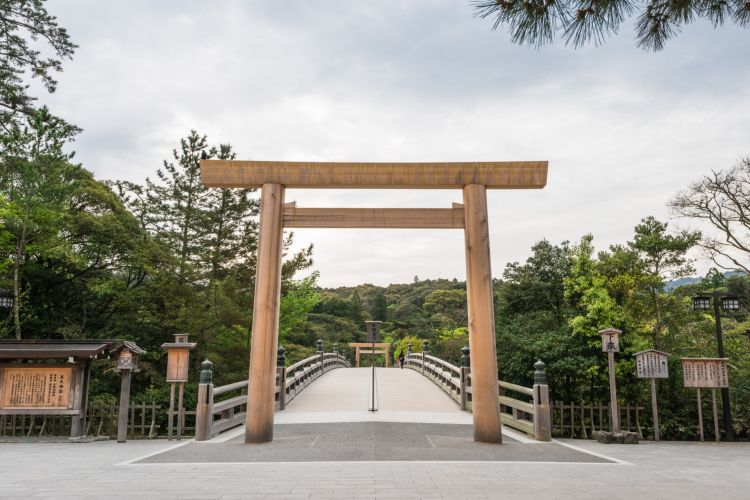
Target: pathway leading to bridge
(403, 395)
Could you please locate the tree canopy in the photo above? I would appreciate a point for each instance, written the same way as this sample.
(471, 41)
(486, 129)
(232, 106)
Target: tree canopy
(580, 22)
(721, 199)
(27, 31)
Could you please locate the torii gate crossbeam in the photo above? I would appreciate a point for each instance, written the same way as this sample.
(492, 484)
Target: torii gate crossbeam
(474, 178)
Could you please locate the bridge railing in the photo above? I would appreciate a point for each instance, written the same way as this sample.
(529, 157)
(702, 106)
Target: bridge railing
(529, 411)
(213, 417)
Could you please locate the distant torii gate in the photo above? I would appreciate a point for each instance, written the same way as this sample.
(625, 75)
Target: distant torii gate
(473, 177)
(371, 348)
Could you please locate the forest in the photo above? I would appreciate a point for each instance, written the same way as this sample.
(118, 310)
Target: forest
(87, 258)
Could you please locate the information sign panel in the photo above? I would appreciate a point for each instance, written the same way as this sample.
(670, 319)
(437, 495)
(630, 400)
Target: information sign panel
(652, 364)
(373, 331)
(705, 372)
(35, 387)
(178, 365)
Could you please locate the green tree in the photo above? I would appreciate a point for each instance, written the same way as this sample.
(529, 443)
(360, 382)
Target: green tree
(586, 287)
(446, 309)
(296, 304)
(379, 310)
(32, 45)
(231, 233)
(721, 199)
(33, 178)
(579, 22)
(664, 257)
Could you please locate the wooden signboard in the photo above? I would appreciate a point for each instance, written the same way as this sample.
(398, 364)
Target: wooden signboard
(610, 340)
(32, 387)
(373, 331)
(177, 365)
(705, 372)
(652, 364)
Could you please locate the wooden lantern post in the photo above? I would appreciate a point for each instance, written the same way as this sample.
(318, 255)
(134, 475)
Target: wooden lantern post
(178, 363)
(652, 364)
(611, 345)
(127, 364)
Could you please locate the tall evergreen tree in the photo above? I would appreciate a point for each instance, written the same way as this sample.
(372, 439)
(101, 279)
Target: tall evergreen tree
(25, 27)
(34, 179)
(537, 22)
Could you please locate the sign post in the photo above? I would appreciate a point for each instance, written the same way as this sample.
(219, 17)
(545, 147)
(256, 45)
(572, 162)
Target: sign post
(373, 336)
(652, 364)
(611, 345)
(178, 357)
(710, 373)
(127, 364)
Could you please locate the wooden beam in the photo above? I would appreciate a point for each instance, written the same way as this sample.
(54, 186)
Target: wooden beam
(265, 333)
(428, 218)
(480, 305)
(493, 175)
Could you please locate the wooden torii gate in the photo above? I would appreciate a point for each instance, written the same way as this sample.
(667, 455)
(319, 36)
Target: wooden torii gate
(371, 348)
(273, 177)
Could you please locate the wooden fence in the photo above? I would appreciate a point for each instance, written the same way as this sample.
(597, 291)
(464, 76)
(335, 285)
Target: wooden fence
(579, 420)
(101, 420)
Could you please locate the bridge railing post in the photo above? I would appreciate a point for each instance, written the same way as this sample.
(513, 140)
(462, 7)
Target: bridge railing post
(425, 351)
(542, 409)
(465, 368)
(204, 411)
(320, 353)
(281, 372)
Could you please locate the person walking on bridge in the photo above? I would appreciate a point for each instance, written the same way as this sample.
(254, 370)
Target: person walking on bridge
(401, 359)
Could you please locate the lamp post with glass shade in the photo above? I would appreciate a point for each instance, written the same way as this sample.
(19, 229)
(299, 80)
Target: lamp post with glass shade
(726, 302)
(6, 299)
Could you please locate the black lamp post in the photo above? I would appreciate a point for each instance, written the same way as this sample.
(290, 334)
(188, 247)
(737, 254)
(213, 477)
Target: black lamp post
(6, 299)
(728, 303)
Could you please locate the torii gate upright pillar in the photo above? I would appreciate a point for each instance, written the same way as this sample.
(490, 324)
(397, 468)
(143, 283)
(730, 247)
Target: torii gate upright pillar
(265, 337)
(484, 389)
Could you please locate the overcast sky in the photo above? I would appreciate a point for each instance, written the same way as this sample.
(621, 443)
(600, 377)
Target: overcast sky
(416, 80)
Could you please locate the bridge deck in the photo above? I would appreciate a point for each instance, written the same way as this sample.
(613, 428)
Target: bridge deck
(402, 396)
(348, 389)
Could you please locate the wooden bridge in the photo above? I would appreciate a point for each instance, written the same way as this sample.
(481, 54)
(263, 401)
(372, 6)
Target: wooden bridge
(428, 390)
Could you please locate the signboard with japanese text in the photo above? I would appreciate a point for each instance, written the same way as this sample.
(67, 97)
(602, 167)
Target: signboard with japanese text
(33, 387)
(705, 372)
(610, 340)
(652, 364)
(373, 331)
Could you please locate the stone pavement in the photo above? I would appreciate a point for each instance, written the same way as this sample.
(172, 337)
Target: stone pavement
(421, 439)
(104, 470)
(371, 441)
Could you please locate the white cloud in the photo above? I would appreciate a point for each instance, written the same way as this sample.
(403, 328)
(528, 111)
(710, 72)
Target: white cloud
(408, 81)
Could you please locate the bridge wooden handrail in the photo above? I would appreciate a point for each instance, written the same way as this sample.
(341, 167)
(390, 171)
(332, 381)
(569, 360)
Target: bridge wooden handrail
(223, 389)
(290, 381)
(518, 388)
(529, 417)
(230, 403)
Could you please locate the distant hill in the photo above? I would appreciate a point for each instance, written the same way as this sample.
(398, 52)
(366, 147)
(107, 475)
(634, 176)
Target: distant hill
(671, 285)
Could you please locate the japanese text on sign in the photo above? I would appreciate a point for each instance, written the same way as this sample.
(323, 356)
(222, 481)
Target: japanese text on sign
(32, 387)
(651, 364)
(705, 372)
